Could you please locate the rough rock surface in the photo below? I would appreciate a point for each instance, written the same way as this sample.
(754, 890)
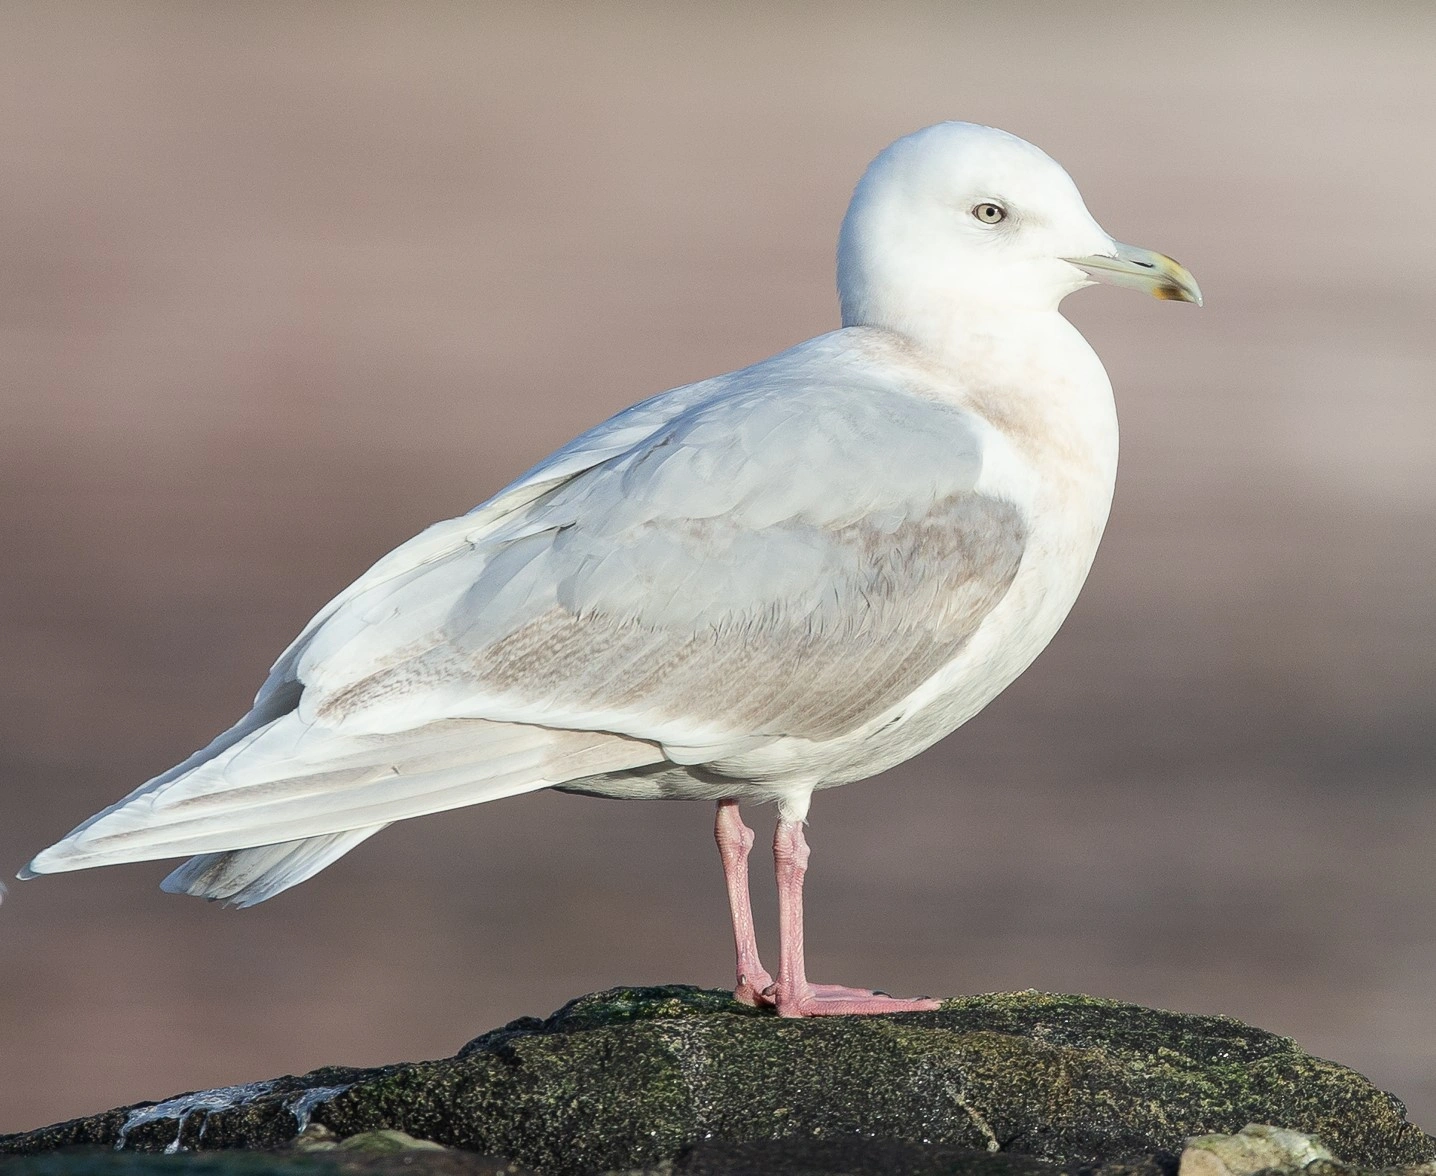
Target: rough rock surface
(1003, 1085)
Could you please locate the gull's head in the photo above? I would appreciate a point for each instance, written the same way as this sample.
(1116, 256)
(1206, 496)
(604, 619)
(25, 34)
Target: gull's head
(959, 219)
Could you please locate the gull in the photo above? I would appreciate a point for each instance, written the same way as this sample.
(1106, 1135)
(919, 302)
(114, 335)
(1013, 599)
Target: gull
(747, 589)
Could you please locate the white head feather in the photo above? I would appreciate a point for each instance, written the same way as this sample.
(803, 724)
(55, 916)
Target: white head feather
(914, 254)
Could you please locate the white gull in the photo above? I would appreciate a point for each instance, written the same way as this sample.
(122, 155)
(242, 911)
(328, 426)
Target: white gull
(783, 579)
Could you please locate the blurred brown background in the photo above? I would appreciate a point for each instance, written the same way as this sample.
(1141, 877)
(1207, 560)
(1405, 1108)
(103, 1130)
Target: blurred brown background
(281, 284)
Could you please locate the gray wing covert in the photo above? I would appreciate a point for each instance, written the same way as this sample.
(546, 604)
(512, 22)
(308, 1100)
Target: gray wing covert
(788, 563)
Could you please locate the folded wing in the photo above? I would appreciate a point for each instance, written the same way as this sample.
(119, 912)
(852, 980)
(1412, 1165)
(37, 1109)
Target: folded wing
(784, 553)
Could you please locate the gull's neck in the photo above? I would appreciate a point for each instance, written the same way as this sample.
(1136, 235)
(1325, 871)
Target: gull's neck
(969, 338)
(950, 331)
(1027, 371)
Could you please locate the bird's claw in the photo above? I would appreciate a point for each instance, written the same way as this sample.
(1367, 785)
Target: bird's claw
(757, 992)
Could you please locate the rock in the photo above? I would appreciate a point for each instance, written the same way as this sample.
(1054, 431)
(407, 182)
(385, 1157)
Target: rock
(1255, 1148)
(1259, 1147)
(855, 1155)
(385, 1142)
(318, 1138)
(96, 1162)
(680, 1079)
(315, 1138)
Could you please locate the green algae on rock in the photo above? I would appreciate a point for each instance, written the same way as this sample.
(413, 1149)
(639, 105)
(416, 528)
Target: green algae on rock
(634, 1076)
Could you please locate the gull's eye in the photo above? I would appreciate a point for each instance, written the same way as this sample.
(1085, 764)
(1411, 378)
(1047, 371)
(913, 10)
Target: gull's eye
(990, 214)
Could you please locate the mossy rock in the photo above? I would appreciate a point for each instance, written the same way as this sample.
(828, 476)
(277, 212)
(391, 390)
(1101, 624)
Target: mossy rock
(634, 1077)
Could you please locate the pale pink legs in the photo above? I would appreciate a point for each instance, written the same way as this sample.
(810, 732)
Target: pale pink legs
(735, 839)
(792, 995)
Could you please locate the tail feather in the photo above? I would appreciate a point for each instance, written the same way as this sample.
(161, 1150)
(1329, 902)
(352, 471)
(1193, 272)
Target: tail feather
(244, 877)
(286, 782)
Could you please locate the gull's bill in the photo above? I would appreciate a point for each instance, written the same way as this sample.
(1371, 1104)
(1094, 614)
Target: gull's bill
(1142, 269)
